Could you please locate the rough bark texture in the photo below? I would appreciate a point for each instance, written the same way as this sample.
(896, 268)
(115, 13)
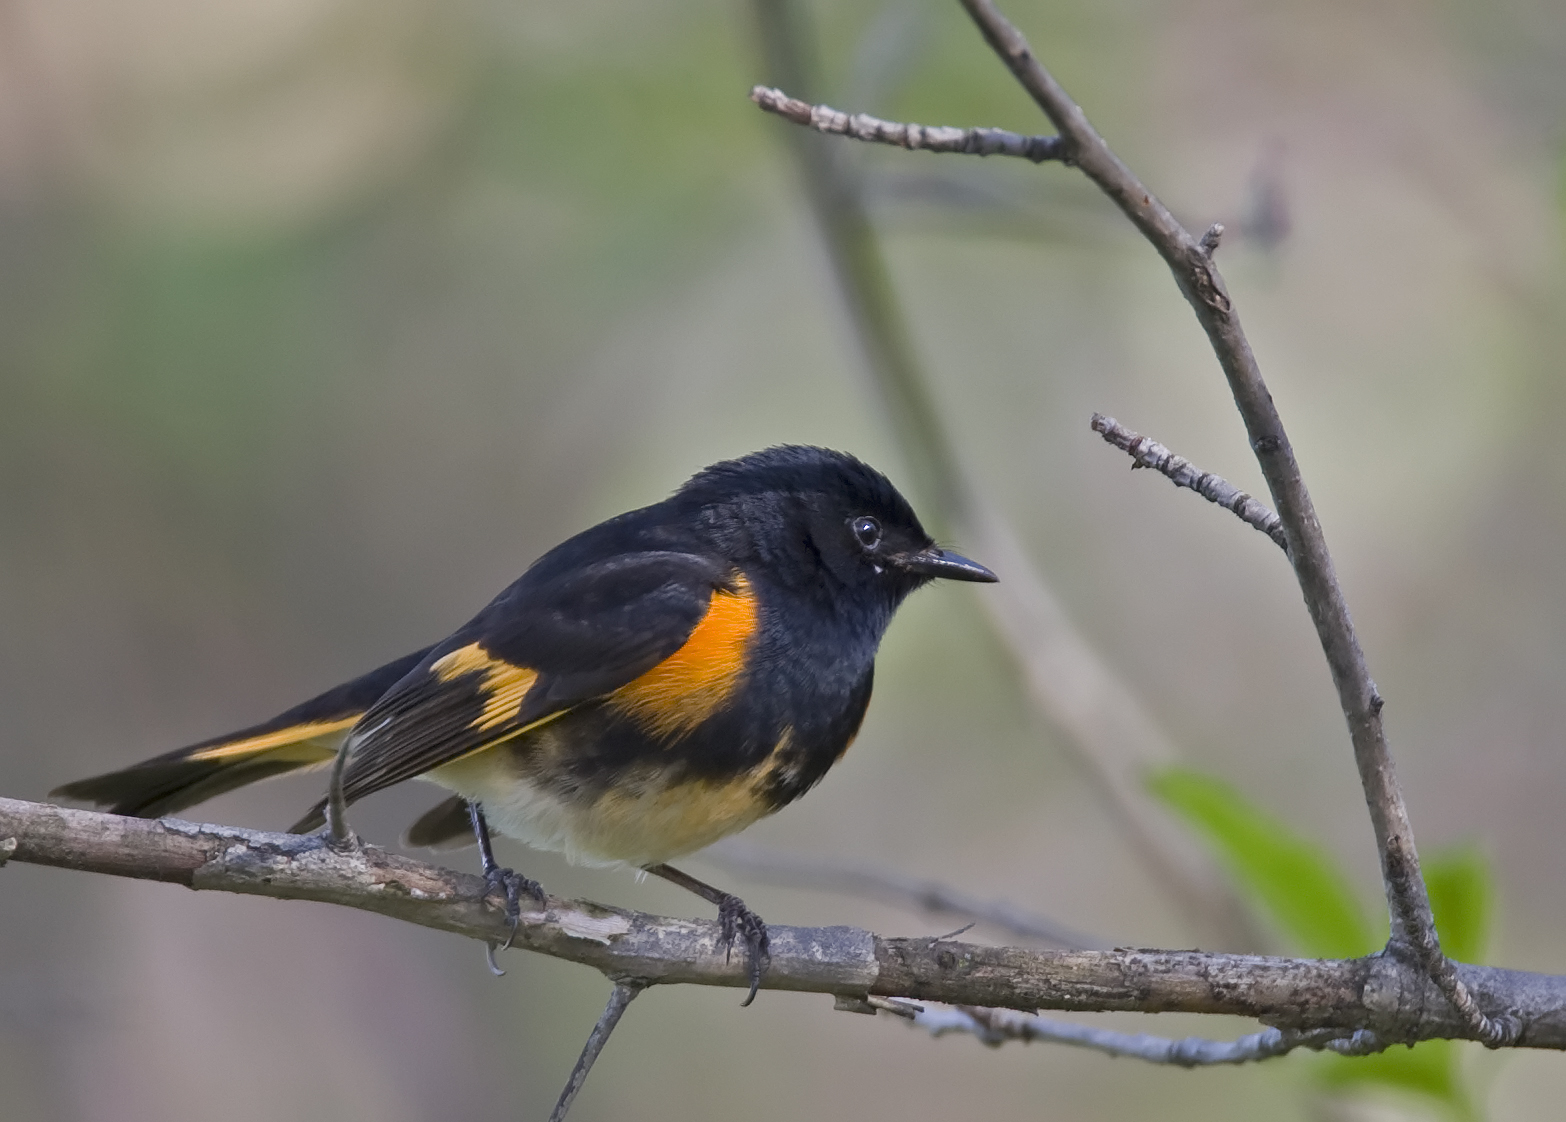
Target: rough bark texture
(1146, 453)
(926, 138)
(1392, 997)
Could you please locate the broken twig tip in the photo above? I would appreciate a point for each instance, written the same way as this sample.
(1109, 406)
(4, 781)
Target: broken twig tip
(927, 138)
(1148, 453)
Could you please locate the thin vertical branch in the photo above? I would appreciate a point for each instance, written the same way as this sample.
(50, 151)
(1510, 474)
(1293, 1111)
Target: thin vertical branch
(1104, 724)
(620, 998)
(1191, 261)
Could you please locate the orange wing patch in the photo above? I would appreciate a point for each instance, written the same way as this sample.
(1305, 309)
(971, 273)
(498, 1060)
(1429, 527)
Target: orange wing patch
(306, 737)
(504, 687)
(690, 685)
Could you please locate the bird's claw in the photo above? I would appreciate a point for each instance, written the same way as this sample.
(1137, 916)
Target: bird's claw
(489, 957)
(735, 920)
(512, 886)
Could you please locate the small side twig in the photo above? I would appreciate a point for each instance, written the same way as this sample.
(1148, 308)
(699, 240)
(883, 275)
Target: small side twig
(620, 998)
(926, 138)
(1182, 472)
(996, 1026)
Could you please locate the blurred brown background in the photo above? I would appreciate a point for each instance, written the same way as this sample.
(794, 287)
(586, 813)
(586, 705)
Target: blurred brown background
(319, 319)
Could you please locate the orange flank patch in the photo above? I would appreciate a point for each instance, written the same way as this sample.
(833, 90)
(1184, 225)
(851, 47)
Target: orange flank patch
(313, 740)
(691, 684)
(504, 687)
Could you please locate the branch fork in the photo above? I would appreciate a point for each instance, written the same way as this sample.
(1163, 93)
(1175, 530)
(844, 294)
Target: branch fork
(1191, 259)
(1198, 276)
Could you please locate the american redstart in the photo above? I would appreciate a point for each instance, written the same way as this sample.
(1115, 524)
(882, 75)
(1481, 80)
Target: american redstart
(647, 687)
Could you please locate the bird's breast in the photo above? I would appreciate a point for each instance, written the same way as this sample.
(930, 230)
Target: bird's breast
(636, 811)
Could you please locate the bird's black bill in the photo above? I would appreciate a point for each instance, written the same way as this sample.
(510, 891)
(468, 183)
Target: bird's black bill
(945, 565)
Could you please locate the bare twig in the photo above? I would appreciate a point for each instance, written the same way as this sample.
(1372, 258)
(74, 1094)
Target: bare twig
(620, 998)
(1104, 724)
(1182, 472)
(1393, 998)
(996, 1026)
(928, 138)
(859, 879)
(1191, 261)
(1200, 282)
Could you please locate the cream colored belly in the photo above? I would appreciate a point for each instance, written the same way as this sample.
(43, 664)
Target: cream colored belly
(635, 823)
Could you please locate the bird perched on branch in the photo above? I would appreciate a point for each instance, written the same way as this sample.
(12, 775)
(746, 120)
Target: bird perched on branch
(647, 687)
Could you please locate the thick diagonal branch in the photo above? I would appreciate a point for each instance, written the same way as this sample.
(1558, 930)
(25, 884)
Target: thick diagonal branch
(1384, 994)
(1191, 261)
(620, 998)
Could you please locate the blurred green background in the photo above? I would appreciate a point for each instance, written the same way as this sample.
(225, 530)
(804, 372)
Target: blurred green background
(319, 319)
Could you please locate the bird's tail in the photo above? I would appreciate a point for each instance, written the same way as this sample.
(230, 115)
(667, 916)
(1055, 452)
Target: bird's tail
(308, 735)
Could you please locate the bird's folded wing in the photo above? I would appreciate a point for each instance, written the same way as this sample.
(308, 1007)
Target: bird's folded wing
(535, 652)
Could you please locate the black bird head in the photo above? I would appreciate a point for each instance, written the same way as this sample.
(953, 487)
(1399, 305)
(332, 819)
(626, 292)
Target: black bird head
(824, 521)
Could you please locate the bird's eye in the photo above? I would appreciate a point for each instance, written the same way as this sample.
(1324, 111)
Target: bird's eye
(867, 530)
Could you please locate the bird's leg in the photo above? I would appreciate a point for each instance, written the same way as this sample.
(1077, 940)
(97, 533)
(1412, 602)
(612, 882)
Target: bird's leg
(508, 883)
(338, 832)
(734, 919)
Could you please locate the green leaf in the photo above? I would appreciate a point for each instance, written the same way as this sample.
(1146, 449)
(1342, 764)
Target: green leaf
(1461, 897)
(1296, 882)
(1302, 889)
(1429, 1069)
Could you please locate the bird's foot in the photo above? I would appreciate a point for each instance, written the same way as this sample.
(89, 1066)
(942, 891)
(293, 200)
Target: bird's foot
(512, 886)
(735, 920)
(348, 843)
